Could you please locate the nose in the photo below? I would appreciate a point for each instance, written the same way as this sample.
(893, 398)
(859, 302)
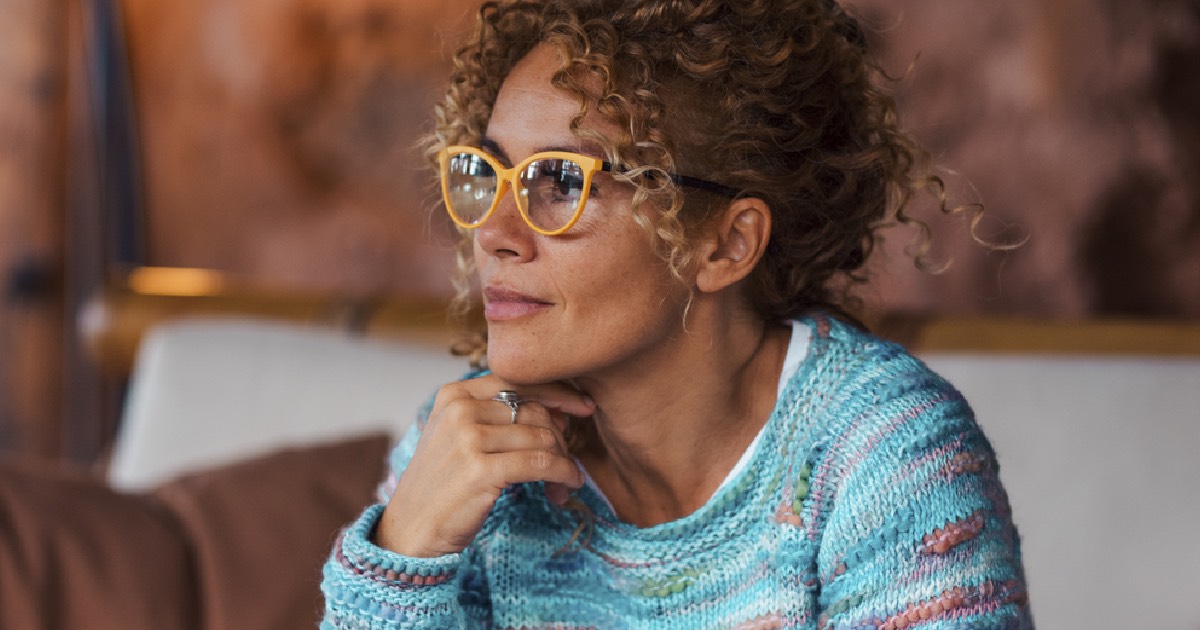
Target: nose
(505, 233)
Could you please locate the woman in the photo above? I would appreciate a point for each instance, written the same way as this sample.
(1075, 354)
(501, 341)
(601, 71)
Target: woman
(663, 203)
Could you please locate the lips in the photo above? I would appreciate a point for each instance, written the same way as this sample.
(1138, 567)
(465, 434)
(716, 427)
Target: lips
(504, 304)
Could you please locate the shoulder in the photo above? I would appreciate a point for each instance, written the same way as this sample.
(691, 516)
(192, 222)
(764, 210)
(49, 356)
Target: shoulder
(860, 384)
(903, 483)
(888, 434)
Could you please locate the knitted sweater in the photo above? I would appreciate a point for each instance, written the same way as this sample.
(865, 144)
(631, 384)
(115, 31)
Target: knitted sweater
(870, 500)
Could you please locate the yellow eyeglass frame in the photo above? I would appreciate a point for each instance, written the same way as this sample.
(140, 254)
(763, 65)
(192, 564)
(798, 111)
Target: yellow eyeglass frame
(509, 180)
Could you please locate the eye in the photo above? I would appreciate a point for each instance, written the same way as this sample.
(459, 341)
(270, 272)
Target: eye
(564, 175)
(555, 180)
(471, 165)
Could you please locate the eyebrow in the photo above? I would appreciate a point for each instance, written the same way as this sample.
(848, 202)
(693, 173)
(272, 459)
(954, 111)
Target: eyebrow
(491, 146)
(584, 147)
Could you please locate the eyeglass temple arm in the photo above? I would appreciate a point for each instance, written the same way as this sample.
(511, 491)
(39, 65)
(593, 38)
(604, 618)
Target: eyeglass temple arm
(691, 182)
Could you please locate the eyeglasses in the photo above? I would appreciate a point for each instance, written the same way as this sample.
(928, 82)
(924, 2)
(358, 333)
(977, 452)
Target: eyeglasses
(551, 188)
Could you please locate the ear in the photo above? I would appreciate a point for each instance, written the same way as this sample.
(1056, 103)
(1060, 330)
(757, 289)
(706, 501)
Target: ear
(735, 244)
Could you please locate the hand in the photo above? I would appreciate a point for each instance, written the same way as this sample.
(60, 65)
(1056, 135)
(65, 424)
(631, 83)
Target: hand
(469, 452)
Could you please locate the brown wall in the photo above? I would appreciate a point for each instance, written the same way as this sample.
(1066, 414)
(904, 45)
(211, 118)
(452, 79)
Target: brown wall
(1074, 121)
(280, 137)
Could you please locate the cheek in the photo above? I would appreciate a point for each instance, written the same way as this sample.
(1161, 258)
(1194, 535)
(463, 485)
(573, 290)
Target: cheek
(615, 265)
(619, 287)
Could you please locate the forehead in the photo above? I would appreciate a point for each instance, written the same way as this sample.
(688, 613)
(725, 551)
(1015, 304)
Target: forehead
(532, 115)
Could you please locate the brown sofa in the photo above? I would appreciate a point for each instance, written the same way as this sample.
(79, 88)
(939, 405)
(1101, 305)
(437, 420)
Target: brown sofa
(236, 547)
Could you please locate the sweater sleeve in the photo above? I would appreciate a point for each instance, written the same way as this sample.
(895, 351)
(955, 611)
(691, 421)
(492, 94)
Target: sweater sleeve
(368, 587)
(918, 530)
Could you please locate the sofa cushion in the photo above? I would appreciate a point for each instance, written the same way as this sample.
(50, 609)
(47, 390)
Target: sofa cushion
(206, 392)
(261, 529)
(74, 554)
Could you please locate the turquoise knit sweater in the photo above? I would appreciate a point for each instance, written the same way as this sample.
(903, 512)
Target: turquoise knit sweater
(870, 500)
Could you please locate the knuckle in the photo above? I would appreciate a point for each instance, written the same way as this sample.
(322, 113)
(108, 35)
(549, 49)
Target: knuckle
(447, 393)
(474, 467)
(458, 408)
(540, 460)
(547, 437)
(472, 438)
(536, 411)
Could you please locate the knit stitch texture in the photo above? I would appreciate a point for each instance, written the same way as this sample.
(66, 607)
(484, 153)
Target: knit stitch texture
(871, 500)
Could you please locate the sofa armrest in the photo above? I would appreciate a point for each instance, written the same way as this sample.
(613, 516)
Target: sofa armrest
(238, 546)
(260, 530)
(74, 554)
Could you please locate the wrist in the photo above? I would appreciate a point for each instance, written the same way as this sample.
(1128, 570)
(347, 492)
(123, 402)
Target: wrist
(391, 533)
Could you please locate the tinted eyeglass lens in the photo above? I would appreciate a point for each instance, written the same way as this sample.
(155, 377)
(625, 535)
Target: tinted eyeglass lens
(553, 189)
(471, 185)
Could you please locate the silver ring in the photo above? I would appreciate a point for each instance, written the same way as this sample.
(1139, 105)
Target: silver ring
(510, 398)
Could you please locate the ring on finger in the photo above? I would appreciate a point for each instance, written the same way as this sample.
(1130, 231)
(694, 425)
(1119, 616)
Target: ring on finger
(510, 398)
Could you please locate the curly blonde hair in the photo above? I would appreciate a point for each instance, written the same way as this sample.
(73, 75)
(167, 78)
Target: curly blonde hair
(775, 98)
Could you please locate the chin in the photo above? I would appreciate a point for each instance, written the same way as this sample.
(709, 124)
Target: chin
(518, 372)
(520, 367)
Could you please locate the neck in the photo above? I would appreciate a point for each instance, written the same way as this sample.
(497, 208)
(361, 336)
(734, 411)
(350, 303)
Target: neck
(673, 426)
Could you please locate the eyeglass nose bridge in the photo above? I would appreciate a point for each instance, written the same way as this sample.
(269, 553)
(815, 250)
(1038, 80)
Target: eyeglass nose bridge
(510, 182)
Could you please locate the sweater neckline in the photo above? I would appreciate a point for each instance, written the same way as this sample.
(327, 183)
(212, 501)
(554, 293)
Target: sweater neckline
(726, 505)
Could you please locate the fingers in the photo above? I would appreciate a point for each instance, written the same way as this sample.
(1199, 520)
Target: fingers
(469, 452)
(532, 449)
(559, 399)
(521, 437)
(466, 411)
(528, 466)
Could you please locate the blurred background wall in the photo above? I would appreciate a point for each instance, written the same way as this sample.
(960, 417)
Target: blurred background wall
(277, 143)
(32, 110)
(283, 133)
